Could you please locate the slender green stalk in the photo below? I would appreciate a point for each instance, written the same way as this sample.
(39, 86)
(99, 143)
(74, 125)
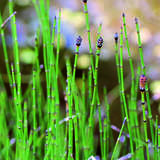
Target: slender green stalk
(34, 114)
(83, 95)
(145, 123)
(18, 128)
(122, 90)
(17, 82)
(5, 52)
(74, 87)
(89, 85)
(89, 34)
(76, 138)
(105, 139)
(95, 91)
(69, 80)
(100, 128)
(156, 139)
(109, 132)
(118, 71)
(143, 70)
(130, 60)
(132, 106)
(16, 52)
(37, 66)
(58, 43)
(56, 87)
(75, 64)
(118, 139)
(25, 127)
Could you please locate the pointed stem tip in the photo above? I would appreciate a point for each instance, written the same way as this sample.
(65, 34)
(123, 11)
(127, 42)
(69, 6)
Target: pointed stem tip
(116, 37)
(84, 1)
(136, 20)
(123, 14)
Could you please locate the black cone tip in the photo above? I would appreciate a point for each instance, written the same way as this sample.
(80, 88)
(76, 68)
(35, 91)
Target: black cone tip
(84, 1)
(136, 20)
(78, 41)
(116, 37)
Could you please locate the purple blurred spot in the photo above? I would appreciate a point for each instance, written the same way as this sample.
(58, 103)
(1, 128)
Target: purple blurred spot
(41, 66)
(97, 157)
(12, 141)
(122, 139)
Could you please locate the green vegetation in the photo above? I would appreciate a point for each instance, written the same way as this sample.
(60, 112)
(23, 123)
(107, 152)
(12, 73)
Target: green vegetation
(33, 124)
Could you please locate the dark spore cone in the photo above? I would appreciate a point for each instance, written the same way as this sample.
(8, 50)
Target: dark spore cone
(100, 42)
(123, 14)
(84, 1)
(116, 37)
(142, 82)
(78, 41)
(136, 20)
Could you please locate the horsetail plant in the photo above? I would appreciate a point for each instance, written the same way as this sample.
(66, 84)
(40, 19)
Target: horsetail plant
(142, 89)
(132, 106)
(89, 34)
(95, 93)
(122, 89)
(35, 125)
(5, 50)
(143, 70)
(118, 70)
(129, 57)
(69, 81)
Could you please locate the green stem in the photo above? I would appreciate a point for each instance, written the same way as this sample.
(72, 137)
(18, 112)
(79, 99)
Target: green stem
(143, 70)
(118, 139)
(122, 91)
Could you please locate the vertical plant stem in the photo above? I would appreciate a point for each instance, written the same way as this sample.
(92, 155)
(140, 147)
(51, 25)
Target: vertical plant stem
(76, 139)
(58, 43)
(69, 80)
(145, 123)
(25, 128)
(109, 135)
(105, 139)
(143, 70)
(5, 52)
(156, 139)
(93, 103)
(122, 90)
(118, 139)
(34, 113)
(89, 35)
(118, 72)
(16, 53)
(132, 106)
